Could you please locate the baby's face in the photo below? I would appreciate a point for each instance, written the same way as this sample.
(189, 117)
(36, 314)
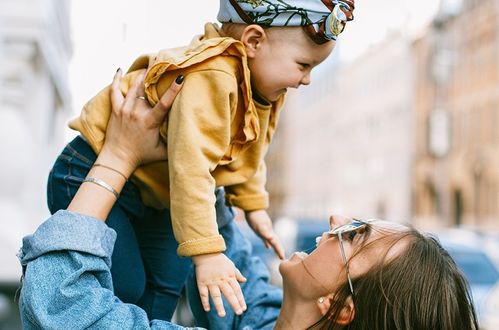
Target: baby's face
(285, 60)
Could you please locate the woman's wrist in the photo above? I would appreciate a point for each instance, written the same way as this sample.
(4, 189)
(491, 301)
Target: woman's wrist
(101, 185)
(119, 162)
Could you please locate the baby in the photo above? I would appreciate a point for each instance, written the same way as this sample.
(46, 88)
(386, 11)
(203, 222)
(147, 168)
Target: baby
(217, 133)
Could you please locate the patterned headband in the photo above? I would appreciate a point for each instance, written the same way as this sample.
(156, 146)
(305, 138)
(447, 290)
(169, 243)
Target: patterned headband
(324, 20)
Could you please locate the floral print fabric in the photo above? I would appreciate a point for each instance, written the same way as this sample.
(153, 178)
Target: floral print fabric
(328, 16)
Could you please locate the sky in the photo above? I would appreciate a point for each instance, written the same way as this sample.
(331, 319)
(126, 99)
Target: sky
(112, 33)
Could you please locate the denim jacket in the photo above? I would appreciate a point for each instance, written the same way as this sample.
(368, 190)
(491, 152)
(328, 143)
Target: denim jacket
(67, 281)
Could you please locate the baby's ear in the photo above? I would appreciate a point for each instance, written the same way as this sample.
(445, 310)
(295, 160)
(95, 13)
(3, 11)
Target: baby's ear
(252, 38)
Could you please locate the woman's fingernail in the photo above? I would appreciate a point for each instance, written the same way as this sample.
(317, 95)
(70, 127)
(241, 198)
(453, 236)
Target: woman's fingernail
(118, 70)
(179, 80)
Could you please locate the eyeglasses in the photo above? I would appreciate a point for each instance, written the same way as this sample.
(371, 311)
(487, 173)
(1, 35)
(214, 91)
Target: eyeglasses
(354, 227)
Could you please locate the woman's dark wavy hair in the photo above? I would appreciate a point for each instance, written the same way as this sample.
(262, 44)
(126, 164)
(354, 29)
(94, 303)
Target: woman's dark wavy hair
(420, 289)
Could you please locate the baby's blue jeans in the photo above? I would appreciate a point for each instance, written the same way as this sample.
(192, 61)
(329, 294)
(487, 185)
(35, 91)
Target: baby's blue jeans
(145, 250)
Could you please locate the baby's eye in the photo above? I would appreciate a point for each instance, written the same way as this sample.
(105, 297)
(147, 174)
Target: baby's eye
(304, 65)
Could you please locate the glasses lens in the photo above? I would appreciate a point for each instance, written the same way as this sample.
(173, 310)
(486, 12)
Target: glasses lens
(354, 225)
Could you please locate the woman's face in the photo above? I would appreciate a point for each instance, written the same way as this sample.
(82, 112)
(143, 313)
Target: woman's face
(323, 271)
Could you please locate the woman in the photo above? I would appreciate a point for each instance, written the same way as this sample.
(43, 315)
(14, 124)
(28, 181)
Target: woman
(396, 278)
(363, 274)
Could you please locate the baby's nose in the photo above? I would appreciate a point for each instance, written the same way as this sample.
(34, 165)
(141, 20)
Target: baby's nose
(305, 80)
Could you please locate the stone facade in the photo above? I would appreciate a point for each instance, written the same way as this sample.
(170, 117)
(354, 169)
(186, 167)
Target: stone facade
(344, 143)
(456, 170)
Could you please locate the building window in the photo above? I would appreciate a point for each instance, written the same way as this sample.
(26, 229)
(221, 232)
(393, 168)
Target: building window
(458, 209)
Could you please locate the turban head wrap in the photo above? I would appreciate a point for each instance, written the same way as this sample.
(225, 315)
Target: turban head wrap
(324, 20)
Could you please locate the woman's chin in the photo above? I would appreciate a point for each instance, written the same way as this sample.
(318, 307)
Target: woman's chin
(295, 258)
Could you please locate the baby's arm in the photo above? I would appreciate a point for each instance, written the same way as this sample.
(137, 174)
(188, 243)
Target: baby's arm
(260, 222)
(252, 197)
(198, 136)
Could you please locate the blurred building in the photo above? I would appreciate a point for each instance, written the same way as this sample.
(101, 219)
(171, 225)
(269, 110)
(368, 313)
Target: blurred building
(35, 49)
(345, 143)
(456, 172)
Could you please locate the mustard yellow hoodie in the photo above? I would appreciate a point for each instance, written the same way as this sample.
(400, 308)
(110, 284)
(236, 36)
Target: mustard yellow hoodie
(216, 135)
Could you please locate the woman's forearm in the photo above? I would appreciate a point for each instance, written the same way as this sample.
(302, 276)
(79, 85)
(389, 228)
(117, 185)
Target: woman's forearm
(95, 200)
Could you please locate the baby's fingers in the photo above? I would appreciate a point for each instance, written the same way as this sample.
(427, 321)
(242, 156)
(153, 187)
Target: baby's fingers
(204, 295)
(239, 277)
(239, 293)
(229, 292)
(276, 245)
(216, 296)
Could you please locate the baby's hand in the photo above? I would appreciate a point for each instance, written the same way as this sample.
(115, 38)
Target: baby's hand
(217, 275)
(261, 224)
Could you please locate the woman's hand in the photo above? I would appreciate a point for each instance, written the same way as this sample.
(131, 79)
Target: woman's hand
(132, 136)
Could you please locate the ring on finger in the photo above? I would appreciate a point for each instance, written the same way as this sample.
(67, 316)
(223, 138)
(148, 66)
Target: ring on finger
(140, 97)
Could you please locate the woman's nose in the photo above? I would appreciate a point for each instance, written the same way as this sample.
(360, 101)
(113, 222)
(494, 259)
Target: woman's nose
(338, 220)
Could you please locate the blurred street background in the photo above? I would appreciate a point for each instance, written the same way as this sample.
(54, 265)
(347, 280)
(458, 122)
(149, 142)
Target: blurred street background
(401, 123)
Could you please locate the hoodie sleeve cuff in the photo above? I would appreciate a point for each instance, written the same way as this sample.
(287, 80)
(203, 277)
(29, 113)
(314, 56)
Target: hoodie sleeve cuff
(206, 245)
(249, 202)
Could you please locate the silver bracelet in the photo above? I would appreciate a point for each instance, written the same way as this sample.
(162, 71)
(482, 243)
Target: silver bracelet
(112, 169)
(103, 184)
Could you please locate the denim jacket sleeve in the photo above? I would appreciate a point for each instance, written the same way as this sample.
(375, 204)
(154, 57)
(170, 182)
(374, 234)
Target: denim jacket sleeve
(67, 280)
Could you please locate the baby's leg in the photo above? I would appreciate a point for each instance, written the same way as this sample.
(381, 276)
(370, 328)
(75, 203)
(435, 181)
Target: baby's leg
(166, 272)
(66, 176)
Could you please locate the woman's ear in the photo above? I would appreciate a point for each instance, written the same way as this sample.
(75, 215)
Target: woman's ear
(323, 303)
(347, 313)
(252, 38)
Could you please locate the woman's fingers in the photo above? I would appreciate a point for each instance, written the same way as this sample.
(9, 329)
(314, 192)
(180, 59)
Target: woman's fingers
(161, 109)
(116, 96)
(128, 104)
(133, 92)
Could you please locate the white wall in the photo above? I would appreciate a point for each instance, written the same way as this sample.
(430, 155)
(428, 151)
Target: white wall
(34, 101)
